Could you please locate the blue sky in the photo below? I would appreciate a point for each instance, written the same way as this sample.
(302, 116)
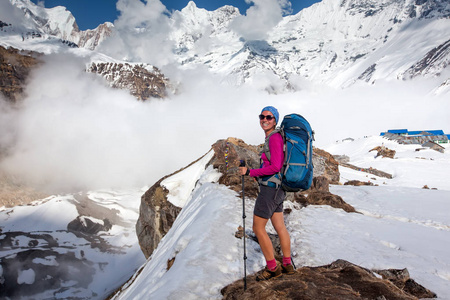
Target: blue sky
(90, 13)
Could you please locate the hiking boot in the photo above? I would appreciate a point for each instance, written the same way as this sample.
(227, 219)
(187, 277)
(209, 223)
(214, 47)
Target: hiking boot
(266, 274)
(288, 269)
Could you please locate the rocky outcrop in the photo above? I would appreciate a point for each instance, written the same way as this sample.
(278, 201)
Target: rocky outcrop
(91, 38)
(338, 280)
(227, 156)
(142, 80)
(369, 170)
(319, 194)
(432, 64)
(326, 165)
(15, 66)
(383, 152)
(156, 217)
(358, 183)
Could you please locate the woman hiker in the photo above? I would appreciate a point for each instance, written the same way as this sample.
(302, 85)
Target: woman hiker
(269, 203)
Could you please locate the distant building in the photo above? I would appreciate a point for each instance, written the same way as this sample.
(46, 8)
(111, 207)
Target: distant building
(403, 136)
(434, 146)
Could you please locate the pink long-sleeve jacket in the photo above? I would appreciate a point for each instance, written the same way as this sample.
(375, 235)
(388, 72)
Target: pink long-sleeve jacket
(276, 158)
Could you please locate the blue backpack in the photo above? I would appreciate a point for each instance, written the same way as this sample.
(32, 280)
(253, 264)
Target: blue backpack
(297, 171)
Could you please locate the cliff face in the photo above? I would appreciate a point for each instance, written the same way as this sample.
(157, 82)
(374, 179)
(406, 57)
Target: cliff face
(91, 38)
(142, 80)
(15, 65)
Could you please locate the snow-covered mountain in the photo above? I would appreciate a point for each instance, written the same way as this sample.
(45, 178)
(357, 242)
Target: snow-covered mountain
(60, 23)
(335, 42)
(338, 43)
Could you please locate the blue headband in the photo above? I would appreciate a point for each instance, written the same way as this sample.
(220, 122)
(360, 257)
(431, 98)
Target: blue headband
(273, 110)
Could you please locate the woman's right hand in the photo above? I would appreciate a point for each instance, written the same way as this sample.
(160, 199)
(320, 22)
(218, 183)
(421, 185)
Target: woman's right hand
(243, 170)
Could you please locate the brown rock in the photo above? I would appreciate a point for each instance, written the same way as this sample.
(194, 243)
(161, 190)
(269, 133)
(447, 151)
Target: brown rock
(227, 156)
(156, 216)
(319, 194)
(320, 184)
(400, 277)
(15, 66)
(383, 151)
(358, 183)
(325, 165)
(339, 280)
(142, 83)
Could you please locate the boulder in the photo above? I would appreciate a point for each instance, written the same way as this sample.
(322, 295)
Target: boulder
(358, 183)
(383, 151)
(338, 280)
(319, 194)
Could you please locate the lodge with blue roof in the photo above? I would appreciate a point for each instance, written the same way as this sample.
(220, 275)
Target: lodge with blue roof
(404, 136)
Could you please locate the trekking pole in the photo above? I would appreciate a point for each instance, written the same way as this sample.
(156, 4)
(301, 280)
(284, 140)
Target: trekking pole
(242, 164)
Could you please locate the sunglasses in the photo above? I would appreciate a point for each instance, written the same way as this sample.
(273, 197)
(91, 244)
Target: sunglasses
(268, 117)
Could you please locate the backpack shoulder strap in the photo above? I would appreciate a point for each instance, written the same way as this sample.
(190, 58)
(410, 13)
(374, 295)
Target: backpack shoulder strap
(266, 148)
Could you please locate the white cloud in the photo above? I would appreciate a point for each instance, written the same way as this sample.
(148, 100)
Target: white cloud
(260, 18)
(140, 33)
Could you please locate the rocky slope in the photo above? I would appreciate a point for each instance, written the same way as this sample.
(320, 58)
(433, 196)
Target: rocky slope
(15, 65)
(142, 80)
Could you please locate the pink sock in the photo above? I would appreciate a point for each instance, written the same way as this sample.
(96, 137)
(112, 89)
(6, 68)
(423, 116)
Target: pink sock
(287, 261)
(271, 264)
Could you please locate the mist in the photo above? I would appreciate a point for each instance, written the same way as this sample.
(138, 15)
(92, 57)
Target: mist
(73, 133)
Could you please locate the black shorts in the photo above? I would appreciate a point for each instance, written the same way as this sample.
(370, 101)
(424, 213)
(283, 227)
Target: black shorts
(269, 201)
